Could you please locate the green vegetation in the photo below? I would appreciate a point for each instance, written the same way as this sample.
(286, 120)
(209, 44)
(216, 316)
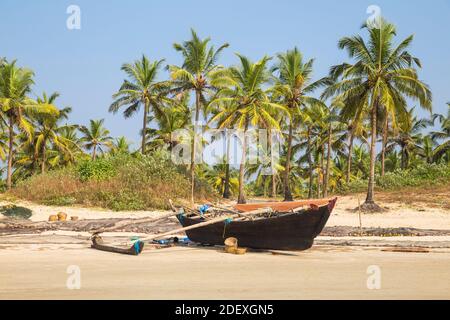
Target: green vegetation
(350, 130)
(121, 182)
(422, 175)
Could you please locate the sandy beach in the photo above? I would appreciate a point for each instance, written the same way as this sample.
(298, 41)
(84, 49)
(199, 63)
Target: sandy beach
(191, 273)
(36, 266)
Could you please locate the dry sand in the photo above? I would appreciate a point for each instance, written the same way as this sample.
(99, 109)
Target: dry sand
(35, 267)
(195, 273)
(411, 215)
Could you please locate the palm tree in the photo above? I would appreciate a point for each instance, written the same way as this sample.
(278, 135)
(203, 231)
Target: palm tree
(48, 129)
(339, 176)
(293, 85)
(265, 170)
(200, 74)
(382, 75)
(141, 88)
(361, 161)
(409, 136)
(251, 105)
(335, 134)
(392, 161)
(443, 134)
(95, 137)
(357, 129)
(306, 142)
(16, 106)
(120, 146)
(426, 149)
(228, 137)
(73, 150)
(169, 118)
(315, 138)
(217, 177)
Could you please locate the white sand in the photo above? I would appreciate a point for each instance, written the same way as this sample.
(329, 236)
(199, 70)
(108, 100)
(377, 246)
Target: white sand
(42, 212)
(398, 215)
(193, 273)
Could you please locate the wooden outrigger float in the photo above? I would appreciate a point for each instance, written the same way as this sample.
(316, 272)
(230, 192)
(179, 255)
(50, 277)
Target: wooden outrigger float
(267, 225)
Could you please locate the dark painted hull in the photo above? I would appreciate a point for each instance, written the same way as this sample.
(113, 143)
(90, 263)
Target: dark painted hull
(295, 231)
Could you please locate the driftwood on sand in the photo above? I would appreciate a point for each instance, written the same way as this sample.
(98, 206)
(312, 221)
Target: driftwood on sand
(16, 226)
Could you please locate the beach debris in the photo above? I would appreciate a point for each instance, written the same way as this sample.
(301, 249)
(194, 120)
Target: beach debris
(62, 216)
(121, 224)
(231, 246)
(231, 242)
(53, 218)
(407, 249)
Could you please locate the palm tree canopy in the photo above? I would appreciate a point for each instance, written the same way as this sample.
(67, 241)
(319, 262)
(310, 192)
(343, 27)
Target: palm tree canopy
(142, 87)
(200, 70)
(381, 71)
(96, 135)
(15, 85)
(294, 79)
(250, 103)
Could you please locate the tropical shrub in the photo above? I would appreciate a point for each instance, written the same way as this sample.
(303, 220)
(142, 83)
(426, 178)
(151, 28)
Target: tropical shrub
(422, 175)
(100, 169)
(122, 182)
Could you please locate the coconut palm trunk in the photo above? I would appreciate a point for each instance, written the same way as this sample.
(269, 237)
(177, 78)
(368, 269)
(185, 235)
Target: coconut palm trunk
(383, 147)
(286, 187)
(273, 192)
(94, 152)
(194, 143)
(274, 186)
(349, 157)
(241, 197)
(327, 172)
(310, 165)
(406, 159)
(43, 159)
(144, 126)
(226, 191)
(318, 175)
(10, 154)
(371, 185)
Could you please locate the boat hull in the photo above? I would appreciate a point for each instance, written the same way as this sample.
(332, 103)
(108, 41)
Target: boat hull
(294, 231)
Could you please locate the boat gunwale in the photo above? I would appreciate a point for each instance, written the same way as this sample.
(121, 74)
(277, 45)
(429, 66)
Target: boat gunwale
(284, 214)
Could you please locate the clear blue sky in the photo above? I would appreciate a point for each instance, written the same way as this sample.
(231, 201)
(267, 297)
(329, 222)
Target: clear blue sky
(84, 65)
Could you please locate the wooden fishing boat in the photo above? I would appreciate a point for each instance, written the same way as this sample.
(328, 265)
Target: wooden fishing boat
(288, 228)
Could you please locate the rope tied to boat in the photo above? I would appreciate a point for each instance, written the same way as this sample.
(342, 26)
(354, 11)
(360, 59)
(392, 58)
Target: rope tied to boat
(180, 217)
(226, 222)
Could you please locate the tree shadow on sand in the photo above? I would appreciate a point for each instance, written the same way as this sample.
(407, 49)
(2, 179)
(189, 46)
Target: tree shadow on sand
(16, 212)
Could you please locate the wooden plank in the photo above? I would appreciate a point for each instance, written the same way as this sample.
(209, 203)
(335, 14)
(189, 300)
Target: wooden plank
(281, 206)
